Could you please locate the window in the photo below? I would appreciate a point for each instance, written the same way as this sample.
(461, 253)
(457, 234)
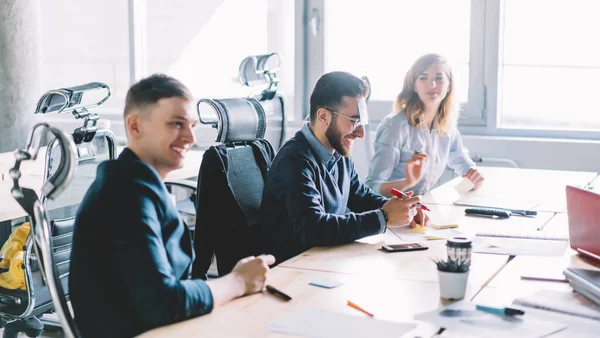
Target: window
(79, 46)
(204, 45)
(550, 70)
(382, 39)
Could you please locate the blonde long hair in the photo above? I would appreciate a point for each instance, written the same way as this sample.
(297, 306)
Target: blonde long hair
(408, 100)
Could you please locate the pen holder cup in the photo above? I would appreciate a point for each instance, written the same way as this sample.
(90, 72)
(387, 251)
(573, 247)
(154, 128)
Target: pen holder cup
(453, 284)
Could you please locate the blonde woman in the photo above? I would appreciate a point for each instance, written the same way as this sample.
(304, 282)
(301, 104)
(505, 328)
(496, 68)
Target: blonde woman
(416, 142)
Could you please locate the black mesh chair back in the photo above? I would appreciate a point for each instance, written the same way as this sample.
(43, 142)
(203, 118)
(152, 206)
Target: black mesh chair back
(231, 179)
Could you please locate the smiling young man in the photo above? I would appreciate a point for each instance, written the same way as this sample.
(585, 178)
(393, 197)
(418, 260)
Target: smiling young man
(313, 196)
(132, 254)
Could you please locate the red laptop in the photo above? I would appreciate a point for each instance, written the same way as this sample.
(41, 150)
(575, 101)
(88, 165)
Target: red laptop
(583, 211)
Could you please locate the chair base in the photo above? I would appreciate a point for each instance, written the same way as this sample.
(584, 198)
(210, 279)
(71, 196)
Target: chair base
(32, 327)
(51, 325)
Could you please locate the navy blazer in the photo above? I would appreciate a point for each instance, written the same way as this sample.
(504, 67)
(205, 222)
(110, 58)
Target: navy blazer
(132, 255)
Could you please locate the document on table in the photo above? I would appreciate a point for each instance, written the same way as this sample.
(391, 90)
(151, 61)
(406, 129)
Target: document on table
(474, 200)
(504, 245)
(570, 308)
(570, 303)
(315, 322)
(465, 318)
(408, 234)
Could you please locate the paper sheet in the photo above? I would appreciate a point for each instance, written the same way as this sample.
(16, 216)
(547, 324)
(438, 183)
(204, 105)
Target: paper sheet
(314, 322)
(464, 186)
(519, 246)
(474, 200)
(464, 317)
(409, 235)
(559, 301)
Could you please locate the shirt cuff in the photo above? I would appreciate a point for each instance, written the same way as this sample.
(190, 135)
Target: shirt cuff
(465, 169)
(382, 221)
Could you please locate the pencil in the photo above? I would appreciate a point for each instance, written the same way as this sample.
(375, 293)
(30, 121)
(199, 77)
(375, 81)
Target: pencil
(360, 309)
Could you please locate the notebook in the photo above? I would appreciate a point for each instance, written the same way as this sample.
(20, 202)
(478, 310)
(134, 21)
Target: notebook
(586, 282)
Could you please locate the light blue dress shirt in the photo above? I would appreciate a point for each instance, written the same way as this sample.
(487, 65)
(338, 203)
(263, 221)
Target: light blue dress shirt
(395, 144)
(329, 159)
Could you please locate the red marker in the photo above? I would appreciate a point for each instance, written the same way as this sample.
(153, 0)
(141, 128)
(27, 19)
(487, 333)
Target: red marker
(404, 196)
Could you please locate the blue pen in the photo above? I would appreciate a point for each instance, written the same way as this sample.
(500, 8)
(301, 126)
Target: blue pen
(501, 311)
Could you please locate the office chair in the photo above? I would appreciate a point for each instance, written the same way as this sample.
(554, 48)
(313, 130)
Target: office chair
(230, 184)
(43, 271)
(260, 72)
(91, 146)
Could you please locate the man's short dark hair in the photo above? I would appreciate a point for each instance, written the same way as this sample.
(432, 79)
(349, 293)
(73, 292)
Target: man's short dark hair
(150, 90)
(330, 89)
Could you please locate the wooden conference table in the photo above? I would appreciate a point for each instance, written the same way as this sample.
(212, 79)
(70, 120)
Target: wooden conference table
(396, 286)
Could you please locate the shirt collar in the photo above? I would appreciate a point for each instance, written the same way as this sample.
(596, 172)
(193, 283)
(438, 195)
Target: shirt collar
(324, 155)
(128, 154)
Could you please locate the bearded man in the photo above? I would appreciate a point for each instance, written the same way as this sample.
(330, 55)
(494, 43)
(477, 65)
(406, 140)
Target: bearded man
(313, 195)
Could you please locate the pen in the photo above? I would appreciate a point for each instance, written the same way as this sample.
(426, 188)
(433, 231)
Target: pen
(278, 293)
(403, 196)
(360, 309)
(501, 311)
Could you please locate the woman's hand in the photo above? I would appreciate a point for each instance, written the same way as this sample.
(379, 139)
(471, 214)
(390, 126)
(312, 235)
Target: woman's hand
(414, 169)
(475, 177)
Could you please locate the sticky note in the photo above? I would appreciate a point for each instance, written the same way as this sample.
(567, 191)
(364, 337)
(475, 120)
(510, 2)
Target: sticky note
(464, 187)
(419, 229)
(433, 238)
(327, 284)
(442, 226)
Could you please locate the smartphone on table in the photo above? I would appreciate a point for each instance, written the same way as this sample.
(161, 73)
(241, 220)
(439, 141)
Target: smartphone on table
(404, 247)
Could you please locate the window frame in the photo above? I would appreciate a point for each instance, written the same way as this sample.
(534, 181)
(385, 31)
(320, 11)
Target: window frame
(474, 111)
(494, 12)
(482, 117)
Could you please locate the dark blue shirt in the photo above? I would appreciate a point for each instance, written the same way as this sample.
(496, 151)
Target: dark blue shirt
(132, 254)
(315, 198)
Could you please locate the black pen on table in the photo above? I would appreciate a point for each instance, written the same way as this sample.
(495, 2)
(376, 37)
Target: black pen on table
(278, 293)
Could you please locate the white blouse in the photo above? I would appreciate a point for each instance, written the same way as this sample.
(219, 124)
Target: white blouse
(395, 144)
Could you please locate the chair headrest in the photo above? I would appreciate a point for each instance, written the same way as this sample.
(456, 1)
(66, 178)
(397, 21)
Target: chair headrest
(238, 119)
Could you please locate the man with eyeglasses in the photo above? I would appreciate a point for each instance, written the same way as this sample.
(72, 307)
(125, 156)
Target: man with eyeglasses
(313, 196)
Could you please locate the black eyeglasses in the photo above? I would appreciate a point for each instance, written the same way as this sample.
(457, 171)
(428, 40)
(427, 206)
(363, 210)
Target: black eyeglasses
(355, 122)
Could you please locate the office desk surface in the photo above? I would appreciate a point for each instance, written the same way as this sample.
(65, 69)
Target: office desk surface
(387, 299)
(33, 178)
(546, 188)
(469, 225)
(367, 259)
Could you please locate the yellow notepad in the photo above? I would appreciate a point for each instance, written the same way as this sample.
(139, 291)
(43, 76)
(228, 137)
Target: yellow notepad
(419, 229)
(442, 226)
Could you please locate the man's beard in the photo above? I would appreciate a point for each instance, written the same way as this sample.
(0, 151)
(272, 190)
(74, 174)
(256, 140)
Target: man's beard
(334, 136)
